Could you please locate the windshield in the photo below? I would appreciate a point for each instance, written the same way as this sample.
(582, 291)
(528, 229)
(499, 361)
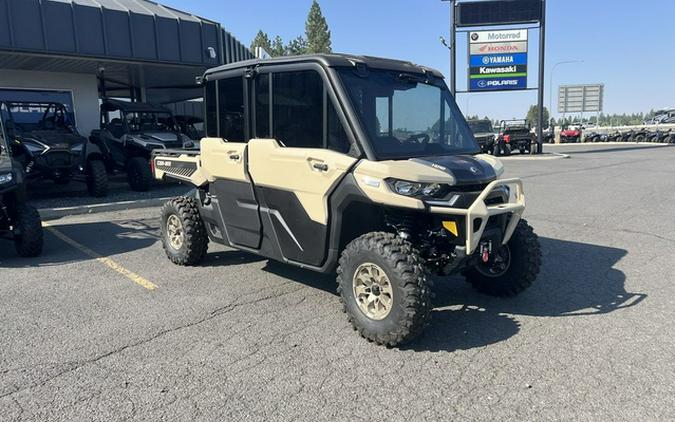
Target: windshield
(406, 116)
(480, 126)
(29, 116)
(150, 122)
(5, 160)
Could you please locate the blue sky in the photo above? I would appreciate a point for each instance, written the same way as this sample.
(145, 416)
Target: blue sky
(627, 45)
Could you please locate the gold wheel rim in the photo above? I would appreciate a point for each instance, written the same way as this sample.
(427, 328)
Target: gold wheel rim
(175, 232)
(373, 291)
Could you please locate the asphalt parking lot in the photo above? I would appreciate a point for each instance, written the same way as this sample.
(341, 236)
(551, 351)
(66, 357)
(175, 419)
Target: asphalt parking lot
(103, 327)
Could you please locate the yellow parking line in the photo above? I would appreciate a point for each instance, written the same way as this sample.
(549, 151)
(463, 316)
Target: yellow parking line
(103, 260)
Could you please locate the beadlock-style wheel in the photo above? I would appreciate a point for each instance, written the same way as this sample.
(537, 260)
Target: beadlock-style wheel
(499, 265)
(175, 232)
(373, 291)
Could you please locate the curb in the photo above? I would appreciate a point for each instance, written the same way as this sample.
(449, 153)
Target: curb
(55, 213)
(546, 156)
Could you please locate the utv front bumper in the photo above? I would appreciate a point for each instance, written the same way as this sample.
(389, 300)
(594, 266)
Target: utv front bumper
(478, 214)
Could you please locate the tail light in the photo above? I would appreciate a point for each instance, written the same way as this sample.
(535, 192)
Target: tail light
(152, 166)
(507, 138)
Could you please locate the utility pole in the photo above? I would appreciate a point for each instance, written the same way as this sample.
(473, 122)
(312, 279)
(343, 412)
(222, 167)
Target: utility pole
(542, 59)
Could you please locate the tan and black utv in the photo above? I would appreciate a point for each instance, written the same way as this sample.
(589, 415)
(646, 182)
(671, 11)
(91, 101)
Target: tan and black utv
(356, 165)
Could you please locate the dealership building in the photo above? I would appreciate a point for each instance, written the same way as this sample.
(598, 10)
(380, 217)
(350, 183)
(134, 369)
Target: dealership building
(77, 51)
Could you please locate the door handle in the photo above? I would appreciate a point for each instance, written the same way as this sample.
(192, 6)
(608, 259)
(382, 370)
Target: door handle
(320, 166)
(234, 157)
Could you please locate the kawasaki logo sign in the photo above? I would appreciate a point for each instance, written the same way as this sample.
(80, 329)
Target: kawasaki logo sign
(497, 60)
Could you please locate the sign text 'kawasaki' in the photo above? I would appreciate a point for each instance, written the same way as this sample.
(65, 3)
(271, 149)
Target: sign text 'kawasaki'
(497, 60)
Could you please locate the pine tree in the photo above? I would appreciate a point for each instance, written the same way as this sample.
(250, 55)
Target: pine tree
(278, 48)
(316, 29)
(261, 40)
(296, 47)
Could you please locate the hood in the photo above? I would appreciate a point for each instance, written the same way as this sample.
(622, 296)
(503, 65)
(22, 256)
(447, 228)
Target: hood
(466, 169)
(53, 139)
(157, 136)
(482, 135)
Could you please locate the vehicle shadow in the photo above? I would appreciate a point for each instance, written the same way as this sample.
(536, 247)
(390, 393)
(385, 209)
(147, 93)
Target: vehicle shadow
(576, 279)
(102, 238)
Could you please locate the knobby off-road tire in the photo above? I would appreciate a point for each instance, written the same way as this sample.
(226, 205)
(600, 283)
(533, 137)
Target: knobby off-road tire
(525, 261)
(410, 291)
(139, 174)
(97, 179)
(29, 238)
(194, 241)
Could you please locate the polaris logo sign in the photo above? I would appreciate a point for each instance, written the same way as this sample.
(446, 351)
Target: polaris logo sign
(497, 60)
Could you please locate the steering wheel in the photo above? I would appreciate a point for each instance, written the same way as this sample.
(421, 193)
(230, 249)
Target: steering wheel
(419, 138)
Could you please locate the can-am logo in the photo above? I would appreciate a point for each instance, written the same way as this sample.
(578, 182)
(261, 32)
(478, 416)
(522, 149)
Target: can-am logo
(497, 48)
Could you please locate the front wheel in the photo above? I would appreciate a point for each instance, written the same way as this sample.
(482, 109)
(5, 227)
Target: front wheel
(512, 269)
(383, 288)
(139, 174)
(97, 179)
(184, 236)
(28, 235)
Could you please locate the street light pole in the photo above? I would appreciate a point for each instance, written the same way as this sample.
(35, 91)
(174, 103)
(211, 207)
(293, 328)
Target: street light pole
(451, 47)
(550, 81)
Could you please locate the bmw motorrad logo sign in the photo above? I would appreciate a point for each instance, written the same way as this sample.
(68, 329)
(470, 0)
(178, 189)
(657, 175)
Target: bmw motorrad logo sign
(474, 36)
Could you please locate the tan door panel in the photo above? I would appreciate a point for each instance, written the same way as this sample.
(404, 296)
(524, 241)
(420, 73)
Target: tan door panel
(310, 173)
(223, 160)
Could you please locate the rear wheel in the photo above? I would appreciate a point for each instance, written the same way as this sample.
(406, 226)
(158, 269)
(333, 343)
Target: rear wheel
(28, 235)
(383, 288)
(184, 236)
(139, 174)
(97, 179)
(514, 267)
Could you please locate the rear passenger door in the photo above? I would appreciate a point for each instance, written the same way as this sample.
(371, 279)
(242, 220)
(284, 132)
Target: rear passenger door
(225, 152)
(300, 154)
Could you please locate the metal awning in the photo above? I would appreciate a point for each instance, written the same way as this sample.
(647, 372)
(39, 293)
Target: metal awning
(139, 43)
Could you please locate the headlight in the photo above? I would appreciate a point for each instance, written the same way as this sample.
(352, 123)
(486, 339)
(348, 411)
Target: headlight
(6, 178)
(77, 148)
(416, 189)
(34, 147)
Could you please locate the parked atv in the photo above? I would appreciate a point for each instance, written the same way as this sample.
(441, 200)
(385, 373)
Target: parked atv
(592, 137)
(46, 143)
(130, 132)
(355, 165)
(514, 135)
(571, 134)
(484, 134)
(19, 222)
(640, 135)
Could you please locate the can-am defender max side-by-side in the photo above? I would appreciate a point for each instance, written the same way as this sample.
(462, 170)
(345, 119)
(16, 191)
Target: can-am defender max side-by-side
(47, 144)
(19, 222)
(355, 165)
(129, 132)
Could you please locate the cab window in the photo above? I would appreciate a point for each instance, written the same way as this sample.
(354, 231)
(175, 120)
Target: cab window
(231, 109)
(303, 115)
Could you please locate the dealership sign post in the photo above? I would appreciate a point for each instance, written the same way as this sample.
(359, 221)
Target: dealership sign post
(497, 60)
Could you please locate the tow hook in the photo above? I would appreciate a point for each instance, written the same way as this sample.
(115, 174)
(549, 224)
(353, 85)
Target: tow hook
(486, 251)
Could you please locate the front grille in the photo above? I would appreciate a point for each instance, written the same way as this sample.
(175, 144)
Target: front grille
(58, 159)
